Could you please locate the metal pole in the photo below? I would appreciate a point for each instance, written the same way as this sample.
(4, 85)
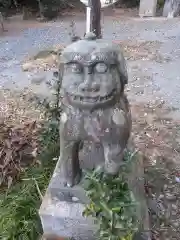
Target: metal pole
(88, 19)
(93, 17)
(96, 17)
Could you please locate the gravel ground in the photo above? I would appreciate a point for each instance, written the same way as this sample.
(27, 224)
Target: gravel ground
(163, 76)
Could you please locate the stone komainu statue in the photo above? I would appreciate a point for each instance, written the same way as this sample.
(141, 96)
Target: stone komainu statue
(94, 107)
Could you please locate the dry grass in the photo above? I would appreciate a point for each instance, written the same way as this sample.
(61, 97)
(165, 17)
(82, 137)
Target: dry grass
(22, 137)
(19, 126)
(43, 60)
(157, 136)
(155, 133)
(17, 107)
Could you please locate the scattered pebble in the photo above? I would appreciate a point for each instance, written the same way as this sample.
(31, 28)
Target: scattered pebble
(75, 199)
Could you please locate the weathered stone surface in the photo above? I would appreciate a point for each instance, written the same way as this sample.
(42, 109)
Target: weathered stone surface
(147, 8)
(64, 219)
(171, 8)
(94, 106)
(57, 189)
(136, 184)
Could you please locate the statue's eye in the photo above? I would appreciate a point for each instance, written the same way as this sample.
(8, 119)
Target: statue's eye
(76, 68)
(101, 67)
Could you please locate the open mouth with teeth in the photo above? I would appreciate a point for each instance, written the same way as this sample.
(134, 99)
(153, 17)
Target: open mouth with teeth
(92, 100)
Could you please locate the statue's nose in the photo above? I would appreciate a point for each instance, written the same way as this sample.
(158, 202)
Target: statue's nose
(89, 85)
(92, 88)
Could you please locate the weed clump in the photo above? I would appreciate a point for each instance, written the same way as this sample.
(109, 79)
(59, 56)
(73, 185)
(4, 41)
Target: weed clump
(19, 203)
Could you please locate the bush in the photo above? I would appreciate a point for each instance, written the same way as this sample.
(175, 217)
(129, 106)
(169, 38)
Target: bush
(113, 204)
(49, 9)
(129, 3)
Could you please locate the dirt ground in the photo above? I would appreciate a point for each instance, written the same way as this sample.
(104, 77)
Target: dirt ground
(14, 25)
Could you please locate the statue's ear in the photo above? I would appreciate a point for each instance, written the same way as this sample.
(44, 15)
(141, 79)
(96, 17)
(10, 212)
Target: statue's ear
(123, 68)
(75, 38)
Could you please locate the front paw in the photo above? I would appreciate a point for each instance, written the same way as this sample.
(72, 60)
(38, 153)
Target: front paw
(70, 182)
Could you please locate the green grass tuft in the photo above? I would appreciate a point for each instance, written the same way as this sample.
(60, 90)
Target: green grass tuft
(19, 206)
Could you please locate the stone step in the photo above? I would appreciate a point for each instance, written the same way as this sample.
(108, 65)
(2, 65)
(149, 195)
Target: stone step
(64, 219)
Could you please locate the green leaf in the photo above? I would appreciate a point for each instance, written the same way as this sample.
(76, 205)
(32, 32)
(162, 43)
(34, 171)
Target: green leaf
(106, 209)
(114, 204)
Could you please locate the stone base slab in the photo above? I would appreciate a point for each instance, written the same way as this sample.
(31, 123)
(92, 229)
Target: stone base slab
(62, 207)
(64, 219)
(147, 8)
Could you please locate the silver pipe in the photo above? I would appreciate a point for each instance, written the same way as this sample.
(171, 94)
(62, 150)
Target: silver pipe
(88, 19)
(89, 16)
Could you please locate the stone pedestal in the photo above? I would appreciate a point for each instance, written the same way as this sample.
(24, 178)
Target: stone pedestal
(61, 211)
(62, 207)
(64, 219)
(147, 8)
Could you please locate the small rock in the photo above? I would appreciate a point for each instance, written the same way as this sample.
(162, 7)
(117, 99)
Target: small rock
(75, 199)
